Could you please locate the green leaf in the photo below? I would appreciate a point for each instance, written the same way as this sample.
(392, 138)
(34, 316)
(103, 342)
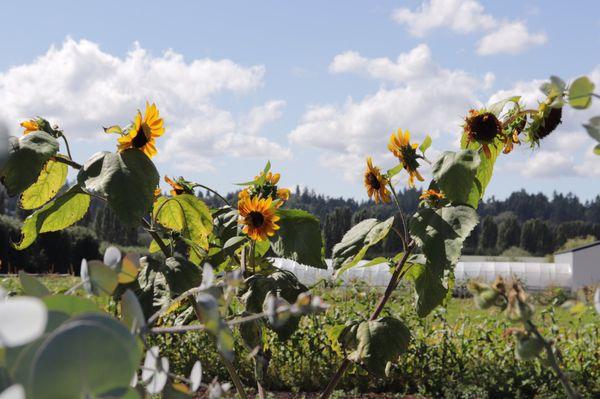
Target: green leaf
(131, 311)
(597, 149)
(377, 342)
(593, 128)
(32, 286)
(63, 307)
(181, 275)
(497, 107)
(126, 179)
(282, 283)
(485, 169)
(580, 93)
(299, 238)
(441, 232)
(52, 177)
(394, 171)
(429, 289)
(355, 243)
(27, 156)
(102, 356)
(56, 215)
(115, 129)
(425, 144)
(185, 214)
(455, 172)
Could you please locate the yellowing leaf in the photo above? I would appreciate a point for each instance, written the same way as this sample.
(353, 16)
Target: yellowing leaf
(56, 215)
(186, 214)
(52, 177)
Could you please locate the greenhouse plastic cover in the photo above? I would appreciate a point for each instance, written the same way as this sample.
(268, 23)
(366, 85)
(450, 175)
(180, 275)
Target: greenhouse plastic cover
(533, 275)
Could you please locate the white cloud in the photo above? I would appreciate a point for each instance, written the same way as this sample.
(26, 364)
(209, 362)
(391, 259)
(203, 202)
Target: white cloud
(509, 38)
(424, 98)
(83, 88)
(469, 16)
(417, 63)
(463, 16)
(544, 163)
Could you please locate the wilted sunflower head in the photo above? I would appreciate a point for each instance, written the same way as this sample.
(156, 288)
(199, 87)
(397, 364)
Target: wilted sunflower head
(258, 217)
(376, 183)
(512, 132)
(483, 128)
(544, 122)
(144, 131)
(179, 186)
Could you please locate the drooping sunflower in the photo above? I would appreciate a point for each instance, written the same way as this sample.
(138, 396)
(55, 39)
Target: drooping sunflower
(483, 128)
(432, 197)
(512, 134)
(258, 217)
(544, 122)
(144, 131)
(406, 152)
(179, 186)
(376, 183)
(30, 126)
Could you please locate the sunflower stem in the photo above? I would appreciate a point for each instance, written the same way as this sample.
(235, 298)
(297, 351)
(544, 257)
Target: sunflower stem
(404, 226)
(163, 247)
(67, 161)
(66, 144)
(214, 192)
(392, 284)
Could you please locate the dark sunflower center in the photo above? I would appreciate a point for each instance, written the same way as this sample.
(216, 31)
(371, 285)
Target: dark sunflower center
(373, 181)
(484, 127)
(140, 138)
(550, 123)
(179, 191)
(409, 157)
(256, 219)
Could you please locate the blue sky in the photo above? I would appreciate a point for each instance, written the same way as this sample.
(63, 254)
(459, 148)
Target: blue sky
(313, 86)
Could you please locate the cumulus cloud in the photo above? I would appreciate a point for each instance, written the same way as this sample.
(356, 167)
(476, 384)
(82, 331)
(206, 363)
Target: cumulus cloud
(468, 16)
(462, 16)
(423, 97)
(509, 38)
(83, 88)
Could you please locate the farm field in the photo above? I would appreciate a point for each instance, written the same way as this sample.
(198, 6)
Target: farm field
(459, 351)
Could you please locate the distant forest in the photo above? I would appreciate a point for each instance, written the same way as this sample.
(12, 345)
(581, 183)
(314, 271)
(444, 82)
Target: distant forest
(523, 224)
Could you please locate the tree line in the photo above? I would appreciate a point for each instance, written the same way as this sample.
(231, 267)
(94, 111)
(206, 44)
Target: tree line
(522, 224)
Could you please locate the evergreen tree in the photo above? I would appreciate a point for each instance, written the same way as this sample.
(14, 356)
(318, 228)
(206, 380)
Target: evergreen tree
(336, 224)
(509, 233)
(536, 237)
(489, 235)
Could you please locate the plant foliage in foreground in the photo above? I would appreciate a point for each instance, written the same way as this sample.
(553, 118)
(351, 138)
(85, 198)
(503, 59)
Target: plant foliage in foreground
(216, 271)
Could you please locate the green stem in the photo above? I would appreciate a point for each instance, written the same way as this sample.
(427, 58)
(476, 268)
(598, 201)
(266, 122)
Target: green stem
(66, 144)
(404, 226)
(214, 192)
(392, 284)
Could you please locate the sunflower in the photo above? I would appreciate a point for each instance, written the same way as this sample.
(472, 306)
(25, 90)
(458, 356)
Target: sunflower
(545, 122)
(512, 134)
(144, 131)
(406, 152)
(376, 183)
(432, 197)
(30, 126)
(482, 127)
(258, 217)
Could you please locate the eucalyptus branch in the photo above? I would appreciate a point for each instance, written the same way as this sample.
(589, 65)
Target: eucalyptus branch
(235, 378)
(392, 284)
(564, 380)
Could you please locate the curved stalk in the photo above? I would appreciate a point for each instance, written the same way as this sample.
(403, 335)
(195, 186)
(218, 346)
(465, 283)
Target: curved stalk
(392, 284)
(214, 192)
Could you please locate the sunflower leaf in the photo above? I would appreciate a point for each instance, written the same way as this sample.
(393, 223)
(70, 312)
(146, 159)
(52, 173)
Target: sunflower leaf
(376, 342)
(27, 156)
(485, 169)
(56, 215)
(355, 243)
(429, 289)
(455, 172)
(597, 149)
(425, 144)
(52, 177)
(126, 179)
(394, 171)
(185, 214)
(299, 238)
